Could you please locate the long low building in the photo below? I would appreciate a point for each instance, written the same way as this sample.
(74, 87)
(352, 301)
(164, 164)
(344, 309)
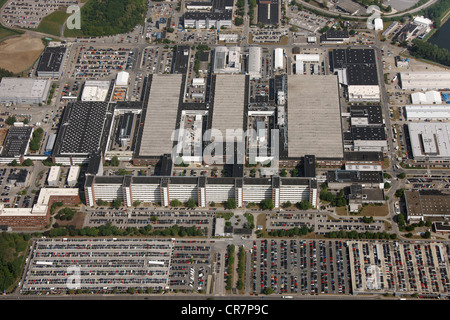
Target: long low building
(201, 189)
(424, 205)
(428, 80)
(24, 90)
(427, 112)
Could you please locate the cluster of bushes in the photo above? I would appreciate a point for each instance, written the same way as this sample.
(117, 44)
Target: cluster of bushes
(239, 20)
(362, 235)
(200, 49)
(294, 232)
(241, 268)
(111, 230)
(65, 214)
(230, 266)
(35, 142)
(335, 200)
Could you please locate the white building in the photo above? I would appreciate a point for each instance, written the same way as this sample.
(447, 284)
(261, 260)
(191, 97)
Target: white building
(430, 140)
(429, 97)
(24, 90)
(301, 59)
(95, 90)
(423, 22)
(425, 80)
(53, 176)
(278, 58)
(228, 37)
(198, 82)
(227, 60)
(254, 62)
(73, 175)
(122, 79)
(427, 112)
(363, 93)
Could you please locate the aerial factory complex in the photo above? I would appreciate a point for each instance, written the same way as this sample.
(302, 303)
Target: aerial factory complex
(285, 141)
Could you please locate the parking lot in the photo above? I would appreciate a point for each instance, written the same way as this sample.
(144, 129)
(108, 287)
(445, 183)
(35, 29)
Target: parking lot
(400, 267)
(157, 219)
(29, 13)
(299, 266)
(116, 265)
(96, 63)
(321, 222)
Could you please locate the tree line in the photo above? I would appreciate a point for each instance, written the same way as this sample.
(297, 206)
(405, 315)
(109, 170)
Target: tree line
(430, 51)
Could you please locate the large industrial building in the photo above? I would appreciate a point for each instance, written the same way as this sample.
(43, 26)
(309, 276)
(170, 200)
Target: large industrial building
(425, 80)
(269, 12)
(430, 140)
(16, 144)
(254, 62)
(51, 62)
(24, 90)
(84, 130)
(427, 112)
(314, 125)
(425, 204)
(357, 70)
(159, 119)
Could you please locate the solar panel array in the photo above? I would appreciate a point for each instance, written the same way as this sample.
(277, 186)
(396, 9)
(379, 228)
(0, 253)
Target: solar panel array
(84, 127)
(16, 141)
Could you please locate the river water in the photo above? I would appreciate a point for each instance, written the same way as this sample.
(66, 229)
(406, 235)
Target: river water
(441, 37)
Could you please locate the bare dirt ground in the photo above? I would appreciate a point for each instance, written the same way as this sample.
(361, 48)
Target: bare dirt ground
(19, 53)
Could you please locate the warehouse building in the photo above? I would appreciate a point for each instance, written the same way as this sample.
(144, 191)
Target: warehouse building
(424, 205)
(302, 59)
(425, 80)
(95, 90)
(85, 127)
(430, 140)
(335, 36)
(254, 62)
(206, 20)
(366, 115)
(203, 190)
(24, 90)
(159, 118)
(314, 126)
(269, 12)
(369, 138)
(430, 112)
(51, 62)
(16, 144)
(278, 58)
(122, 79)
(429, 97)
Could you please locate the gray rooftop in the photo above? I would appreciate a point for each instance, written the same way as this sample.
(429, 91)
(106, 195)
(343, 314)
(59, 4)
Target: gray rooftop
(161, 115)
(314, 124)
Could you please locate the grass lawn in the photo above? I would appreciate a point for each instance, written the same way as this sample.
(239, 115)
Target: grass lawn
(52, 23)
(373, 210)
(5, 32)
(341, 211)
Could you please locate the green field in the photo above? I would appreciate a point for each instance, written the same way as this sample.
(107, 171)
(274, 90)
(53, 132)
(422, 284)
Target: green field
(5, 32)
(51, 23)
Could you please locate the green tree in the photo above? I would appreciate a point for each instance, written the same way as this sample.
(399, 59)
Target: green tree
(190, 203)
(266, 204)
(116, 203)
(175, 203)
(230, 204)
(115, 162)
(10, 120)
(27, 162)
(238, 21)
